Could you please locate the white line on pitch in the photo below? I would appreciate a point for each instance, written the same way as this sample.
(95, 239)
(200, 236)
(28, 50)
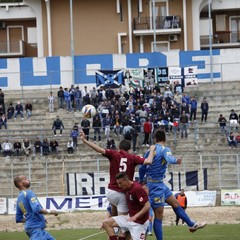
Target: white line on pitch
(91, 235)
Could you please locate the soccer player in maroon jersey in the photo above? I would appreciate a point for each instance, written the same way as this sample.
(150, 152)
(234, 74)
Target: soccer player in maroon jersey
(136, 222)
(120, 161)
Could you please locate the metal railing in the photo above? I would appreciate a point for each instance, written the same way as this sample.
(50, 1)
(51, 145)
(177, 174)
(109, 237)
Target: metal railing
(146, 23)
(48, 175)
(227, 37)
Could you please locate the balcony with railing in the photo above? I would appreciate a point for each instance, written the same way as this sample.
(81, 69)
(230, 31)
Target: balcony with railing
(163, 25)
(12, 49)
(226, 39)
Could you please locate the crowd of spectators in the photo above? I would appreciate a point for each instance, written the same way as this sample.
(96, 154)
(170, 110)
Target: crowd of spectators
(25, 147)
(126, 113)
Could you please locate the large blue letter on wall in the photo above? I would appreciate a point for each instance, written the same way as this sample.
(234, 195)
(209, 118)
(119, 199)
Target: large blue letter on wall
(29, 78)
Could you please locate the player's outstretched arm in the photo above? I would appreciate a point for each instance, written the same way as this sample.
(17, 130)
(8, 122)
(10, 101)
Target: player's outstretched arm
(151, 155)
(91, 144)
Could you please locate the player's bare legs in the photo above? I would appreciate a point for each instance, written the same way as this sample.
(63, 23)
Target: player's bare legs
(108, 225)
(157, 223)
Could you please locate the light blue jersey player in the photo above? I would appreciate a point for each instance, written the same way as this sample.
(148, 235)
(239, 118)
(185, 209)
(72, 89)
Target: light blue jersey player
(30, 211)
(159, 193)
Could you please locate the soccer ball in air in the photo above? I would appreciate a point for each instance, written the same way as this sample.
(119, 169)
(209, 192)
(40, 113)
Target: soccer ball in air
(89, 111)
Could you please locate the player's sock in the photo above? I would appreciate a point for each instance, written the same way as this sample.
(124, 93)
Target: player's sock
(113, 238)
(182, 214)
(157, 225)
(150, 227)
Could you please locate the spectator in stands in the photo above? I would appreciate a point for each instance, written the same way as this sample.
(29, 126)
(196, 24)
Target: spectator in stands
(17, 147)
(18, 110)
(109, 93)
(3, 121)
(74, 135)
(72, 96)
(111, 144)
(75, 127)
(106, 124)
(45, 147)
(70, 146)
(237, 138)
(57, 125)
(168, 93)
(51, 100)
(94, 96)
(186, 99)
(233, 118)
(86, 99)
(232, 140)
(147, 129)
(204, 108)
(178, 88)
(193, 108)
(10, 111)
(7, 148)
(184, 124)
(222, 123)
(85, 124)
(37, 147)
(28, 109)
(67, 99)
(134, 136)
(1, 110)
(97, 125)
(128, 131)
(2, 100)
(178, 100)
(60, 95)
(185, 108)
(78, 99)
(26, 146)
(85, 92)
(167, 85)
(117, 123)
(54, 146)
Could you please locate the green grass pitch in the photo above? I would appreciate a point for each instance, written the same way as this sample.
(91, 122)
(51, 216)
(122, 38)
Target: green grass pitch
(210, 232)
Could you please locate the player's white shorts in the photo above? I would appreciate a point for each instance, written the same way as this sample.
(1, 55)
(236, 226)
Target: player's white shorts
(118, 199)
(137, 231)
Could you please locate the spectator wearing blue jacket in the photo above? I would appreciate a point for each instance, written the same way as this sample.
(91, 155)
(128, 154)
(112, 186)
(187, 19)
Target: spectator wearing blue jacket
(193, 108)
(74, 136)
(67, 98)
(78, 99)
(186, 99)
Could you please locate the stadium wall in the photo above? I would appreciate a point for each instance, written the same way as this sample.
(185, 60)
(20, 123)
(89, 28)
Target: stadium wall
(42, 73)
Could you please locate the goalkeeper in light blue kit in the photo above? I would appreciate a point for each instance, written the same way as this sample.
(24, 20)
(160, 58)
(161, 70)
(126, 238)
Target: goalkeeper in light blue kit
(30, 211)
(159, 193)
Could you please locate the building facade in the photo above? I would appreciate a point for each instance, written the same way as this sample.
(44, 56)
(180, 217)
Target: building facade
(42, 28)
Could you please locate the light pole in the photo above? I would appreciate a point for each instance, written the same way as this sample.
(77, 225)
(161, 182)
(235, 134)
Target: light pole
(72, 40)
(210, 39)
(154, 28)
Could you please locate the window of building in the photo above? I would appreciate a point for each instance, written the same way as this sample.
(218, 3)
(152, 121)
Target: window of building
(161, 46)
(160, 12)
(235, 29)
